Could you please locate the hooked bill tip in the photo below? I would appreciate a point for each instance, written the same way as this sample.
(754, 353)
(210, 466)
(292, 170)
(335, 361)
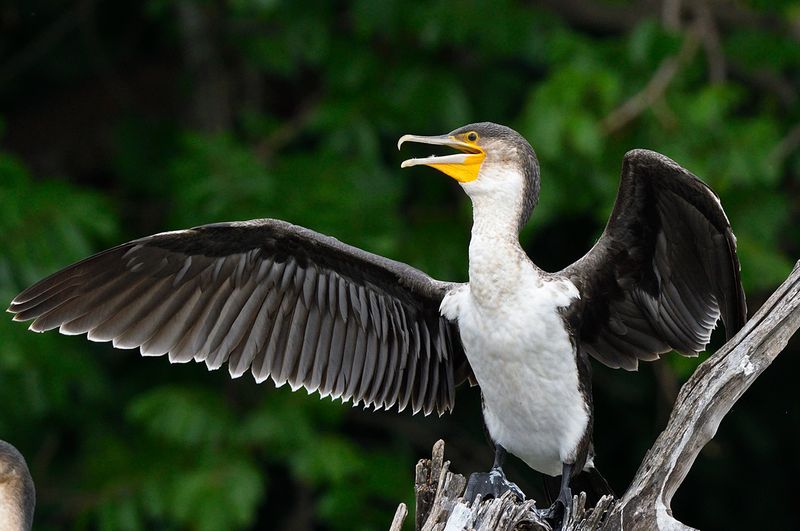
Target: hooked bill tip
(401, 140)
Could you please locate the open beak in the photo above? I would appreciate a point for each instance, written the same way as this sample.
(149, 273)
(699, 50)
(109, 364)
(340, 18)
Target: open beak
(463, 167)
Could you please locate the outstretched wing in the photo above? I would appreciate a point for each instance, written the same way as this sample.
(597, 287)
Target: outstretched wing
(664, 270)
(278, 299)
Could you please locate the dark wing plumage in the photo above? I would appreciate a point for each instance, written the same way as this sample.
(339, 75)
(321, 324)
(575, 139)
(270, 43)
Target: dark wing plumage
(664, 270)
(278, 299)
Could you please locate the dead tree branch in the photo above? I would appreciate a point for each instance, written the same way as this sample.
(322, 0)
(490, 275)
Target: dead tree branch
(612, 17)
(788, 145)
(655, 89)
(712, 43)
(702, 403)
(210, 107)
(441, 508)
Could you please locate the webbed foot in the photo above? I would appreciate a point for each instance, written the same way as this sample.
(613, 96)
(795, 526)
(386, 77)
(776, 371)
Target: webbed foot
(557, 513)
(492, 484)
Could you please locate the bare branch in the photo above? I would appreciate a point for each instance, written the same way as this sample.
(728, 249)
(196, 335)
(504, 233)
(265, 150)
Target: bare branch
(399, 517)
(289, 129)
(767, 81)
(655, 88)
(609, 17)
(711, 41)
(671, 14)
(788, 145)
(210, 106)
(701, 405)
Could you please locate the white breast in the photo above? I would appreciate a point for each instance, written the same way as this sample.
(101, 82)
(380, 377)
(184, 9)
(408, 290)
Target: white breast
(524, 361)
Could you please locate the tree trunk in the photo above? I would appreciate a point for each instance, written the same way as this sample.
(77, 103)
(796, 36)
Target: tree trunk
(702, 403)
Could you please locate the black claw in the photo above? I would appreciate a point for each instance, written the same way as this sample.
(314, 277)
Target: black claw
(555, 513)
(492, 484)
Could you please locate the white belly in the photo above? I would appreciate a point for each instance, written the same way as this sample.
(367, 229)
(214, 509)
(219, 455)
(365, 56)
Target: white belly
(525, 364)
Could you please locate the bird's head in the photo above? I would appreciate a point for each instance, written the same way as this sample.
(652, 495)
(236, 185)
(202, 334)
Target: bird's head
(494, 161)
(17, 492)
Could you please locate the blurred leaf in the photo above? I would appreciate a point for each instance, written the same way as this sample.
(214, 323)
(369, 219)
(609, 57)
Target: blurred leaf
(235, 486)
(190, 417)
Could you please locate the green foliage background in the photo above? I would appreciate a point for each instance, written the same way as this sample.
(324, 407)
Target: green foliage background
(124, 119)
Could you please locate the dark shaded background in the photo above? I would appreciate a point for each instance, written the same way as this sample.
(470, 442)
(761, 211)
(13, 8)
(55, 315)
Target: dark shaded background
(121, 119)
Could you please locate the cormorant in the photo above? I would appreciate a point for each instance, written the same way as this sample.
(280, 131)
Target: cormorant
(305, 309)
(17, 492)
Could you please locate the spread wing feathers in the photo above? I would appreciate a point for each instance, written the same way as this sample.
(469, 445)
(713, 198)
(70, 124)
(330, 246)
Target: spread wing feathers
(280, 300)
(664, 270)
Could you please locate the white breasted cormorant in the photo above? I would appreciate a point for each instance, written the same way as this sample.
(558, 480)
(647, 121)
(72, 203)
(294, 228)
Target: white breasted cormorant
(299, 307)
(17, 493)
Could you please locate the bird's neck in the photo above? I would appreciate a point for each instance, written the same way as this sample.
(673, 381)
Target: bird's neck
(11, 516)
(496, 258)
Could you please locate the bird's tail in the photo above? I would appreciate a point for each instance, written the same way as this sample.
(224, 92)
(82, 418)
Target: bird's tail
(589, 480)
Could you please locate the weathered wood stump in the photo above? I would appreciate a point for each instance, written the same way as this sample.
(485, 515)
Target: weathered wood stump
(441, 508)
(701, 405)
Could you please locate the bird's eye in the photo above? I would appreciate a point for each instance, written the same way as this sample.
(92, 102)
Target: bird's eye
(472, 137)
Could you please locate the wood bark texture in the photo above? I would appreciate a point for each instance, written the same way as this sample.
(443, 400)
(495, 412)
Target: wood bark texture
(702, 403)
